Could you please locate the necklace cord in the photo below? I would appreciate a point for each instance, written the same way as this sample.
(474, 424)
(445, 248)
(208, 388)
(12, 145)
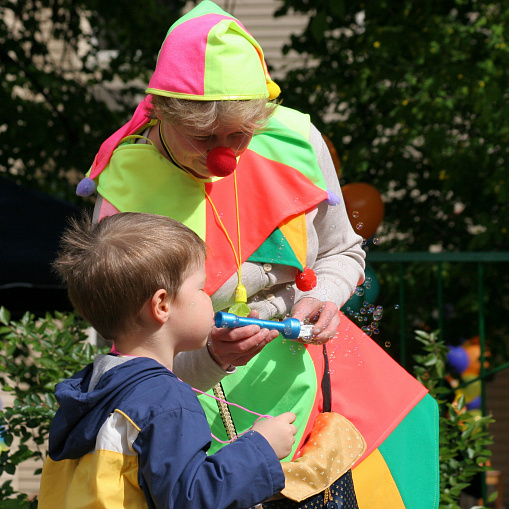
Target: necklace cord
(238, 258)
(223, 401)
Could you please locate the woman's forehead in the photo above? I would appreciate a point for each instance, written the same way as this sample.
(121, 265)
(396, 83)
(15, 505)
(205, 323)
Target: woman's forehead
(215, 129)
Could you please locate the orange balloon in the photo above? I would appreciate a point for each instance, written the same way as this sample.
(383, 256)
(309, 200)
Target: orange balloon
(364, 206)
(474, 356)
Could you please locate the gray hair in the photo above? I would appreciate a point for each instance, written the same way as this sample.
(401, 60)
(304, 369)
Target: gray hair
(248, 116)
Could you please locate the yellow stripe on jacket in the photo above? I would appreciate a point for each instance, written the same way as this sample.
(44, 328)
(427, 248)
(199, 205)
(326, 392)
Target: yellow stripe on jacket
(107, 477)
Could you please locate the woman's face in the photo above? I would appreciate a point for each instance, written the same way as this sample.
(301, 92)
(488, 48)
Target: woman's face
(190, 146)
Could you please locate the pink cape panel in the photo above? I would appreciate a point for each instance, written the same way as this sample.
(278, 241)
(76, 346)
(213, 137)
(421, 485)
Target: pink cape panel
(368, 387)
(261, 181)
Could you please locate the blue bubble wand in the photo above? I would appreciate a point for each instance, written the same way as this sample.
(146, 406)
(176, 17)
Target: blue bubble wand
(291, 328)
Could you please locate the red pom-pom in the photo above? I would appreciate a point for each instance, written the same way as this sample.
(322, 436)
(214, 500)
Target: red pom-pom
(221, 161)
(306, 280)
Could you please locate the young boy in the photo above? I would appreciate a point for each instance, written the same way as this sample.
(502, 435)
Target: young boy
(129, 433)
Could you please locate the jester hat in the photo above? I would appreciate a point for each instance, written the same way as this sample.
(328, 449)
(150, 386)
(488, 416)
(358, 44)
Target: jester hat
(207, 55)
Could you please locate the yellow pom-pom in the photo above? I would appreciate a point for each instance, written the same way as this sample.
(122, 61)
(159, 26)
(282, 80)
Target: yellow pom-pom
(274, 90)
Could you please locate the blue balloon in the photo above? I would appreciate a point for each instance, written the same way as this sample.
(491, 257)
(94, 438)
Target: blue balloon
(475, 404)
(458, 358)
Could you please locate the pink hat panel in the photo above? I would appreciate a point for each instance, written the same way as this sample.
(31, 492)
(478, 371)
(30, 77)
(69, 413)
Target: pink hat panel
(181, 63)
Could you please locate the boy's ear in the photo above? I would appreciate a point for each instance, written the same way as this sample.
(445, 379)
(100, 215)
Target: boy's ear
(160, 306)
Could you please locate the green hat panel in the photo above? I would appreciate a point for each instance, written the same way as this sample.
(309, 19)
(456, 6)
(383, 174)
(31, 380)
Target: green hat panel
(208, 55)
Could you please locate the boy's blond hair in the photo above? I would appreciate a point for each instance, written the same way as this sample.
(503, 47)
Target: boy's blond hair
(114, 267)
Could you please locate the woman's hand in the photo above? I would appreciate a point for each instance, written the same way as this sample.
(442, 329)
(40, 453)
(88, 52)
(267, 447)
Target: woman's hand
(323, 314)
(236, 347)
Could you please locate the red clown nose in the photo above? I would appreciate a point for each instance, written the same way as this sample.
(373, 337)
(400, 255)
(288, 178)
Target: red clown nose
(221, 161)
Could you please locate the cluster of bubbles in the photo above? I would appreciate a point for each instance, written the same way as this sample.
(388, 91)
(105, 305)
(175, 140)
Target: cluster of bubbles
(365, 286)
(368, 315)
(294, 346)
(348, 347)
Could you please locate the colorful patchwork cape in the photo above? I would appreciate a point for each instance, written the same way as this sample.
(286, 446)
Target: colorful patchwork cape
(278, 181)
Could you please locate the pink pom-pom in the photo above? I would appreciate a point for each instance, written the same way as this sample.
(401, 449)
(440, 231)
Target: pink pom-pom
(306, 280)
(221, 161)
(86, 187)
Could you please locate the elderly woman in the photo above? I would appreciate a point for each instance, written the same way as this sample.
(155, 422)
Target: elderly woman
(210, 147)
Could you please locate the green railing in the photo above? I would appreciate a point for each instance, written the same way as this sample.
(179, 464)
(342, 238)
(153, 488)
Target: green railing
(480, 259)
(403, 262)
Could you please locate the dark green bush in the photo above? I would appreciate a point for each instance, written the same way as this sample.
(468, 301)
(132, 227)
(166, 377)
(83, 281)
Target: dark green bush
(464, 438)
(37, 353)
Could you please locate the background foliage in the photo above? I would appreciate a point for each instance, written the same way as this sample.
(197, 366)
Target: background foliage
(71, 71)
(414, 97)
(464, 439)
(37, 353)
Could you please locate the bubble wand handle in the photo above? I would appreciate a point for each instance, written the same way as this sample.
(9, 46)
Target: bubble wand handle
(289, 328)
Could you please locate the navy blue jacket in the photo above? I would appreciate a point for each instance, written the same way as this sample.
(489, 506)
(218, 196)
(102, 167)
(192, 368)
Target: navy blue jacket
(140, 416)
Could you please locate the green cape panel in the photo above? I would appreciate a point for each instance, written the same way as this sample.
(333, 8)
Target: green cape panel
(243, 387)
(410, 444)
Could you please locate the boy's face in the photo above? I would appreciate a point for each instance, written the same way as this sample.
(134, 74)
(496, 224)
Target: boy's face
(192, 312)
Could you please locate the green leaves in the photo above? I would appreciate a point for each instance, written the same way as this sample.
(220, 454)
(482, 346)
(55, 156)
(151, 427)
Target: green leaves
(464, 439)
(37, 353)
(68, 70)
(414, 90)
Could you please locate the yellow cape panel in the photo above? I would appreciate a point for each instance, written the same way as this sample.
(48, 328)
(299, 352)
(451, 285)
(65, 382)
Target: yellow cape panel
(374, 485)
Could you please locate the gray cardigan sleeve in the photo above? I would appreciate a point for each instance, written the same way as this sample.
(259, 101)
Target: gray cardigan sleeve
(334, 250)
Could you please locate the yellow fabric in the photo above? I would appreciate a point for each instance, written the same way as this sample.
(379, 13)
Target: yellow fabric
(294, 230)
(374, 485)
(101, 480)
(333, 446)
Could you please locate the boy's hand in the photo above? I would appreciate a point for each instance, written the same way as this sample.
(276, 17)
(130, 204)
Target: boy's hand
(236, 347)
(279, 432)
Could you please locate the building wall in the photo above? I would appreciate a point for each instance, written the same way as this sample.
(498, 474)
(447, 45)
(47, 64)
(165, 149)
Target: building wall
(24, 479)
(497, 404)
